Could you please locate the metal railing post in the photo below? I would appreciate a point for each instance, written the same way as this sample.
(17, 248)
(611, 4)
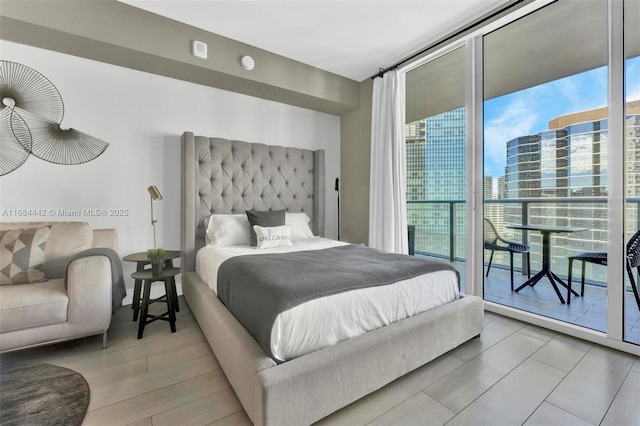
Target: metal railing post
(525, 236)
(452, 235)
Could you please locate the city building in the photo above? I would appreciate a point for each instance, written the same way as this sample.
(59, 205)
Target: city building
(568, 163)
(436, 170)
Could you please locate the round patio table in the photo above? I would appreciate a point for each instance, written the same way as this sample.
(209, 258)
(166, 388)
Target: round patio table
(546, 231)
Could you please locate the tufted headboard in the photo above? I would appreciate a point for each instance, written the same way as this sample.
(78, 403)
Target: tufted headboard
(225, 176)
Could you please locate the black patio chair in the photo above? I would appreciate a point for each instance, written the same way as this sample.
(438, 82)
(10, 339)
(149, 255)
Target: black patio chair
(600, 258)
(494, 242)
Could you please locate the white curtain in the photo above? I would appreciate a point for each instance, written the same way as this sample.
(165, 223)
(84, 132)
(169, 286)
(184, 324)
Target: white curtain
(388, 200)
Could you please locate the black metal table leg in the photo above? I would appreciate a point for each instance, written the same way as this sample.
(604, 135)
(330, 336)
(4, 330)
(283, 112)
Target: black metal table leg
(145, 307)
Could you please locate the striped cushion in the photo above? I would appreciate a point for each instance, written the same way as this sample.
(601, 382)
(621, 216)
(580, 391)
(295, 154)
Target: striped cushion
(22, 255)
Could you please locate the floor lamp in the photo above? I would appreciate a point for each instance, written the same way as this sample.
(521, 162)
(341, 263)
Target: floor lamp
(155, 196)
(338, 191)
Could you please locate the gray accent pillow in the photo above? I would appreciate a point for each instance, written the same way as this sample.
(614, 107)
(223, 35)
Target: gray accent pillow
(266, 219)
(22, 255)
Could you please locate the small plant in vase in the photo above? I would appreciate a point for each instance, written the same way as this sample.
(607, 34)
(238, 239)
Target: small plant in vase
(157, 258)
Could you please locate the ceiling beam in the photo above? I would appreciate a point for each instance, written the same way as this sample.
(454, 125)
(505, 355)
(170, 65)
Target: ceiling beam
(116, 33)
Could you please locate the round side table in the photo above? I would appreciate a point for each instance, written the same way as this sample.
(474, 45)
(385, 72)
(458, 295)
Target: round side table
(142, 261)
(147, 278)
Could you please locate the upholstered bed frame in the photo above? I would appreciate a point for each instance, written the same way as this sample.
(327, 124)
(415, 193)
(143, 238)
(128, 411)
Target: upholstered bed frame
(222, 176)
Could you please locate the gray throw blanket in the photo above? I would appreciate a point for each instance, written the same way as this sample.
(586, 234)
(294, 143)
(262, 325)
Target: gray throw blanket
(257, 288)
(118, 289)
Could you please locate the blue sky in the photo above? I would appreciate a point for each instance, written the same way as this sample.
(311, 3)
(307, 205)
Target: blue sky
(528, 111)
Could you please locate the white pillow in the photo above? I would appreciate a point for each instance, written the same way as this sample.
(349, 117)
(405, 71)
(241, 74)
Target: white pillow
(299, 223)
(227, 230)
(274, 236)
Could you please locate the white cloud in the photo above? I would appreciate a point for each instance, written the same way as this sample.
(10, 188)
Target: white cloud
(517, 118)
(580, 92)
(526, 112)
(633, 79)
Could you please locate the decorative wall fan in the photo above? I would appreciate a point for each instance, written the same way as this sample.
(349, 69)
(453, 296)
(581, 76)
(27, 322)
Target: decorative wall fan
(31, 112)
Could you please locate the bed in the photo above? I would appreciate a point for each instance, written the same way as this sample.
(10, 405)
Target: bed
(223, 176)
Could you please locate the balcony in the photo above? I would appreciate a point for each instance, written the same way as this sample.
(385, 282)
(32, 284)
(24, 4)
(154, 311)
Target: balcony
(440, 231)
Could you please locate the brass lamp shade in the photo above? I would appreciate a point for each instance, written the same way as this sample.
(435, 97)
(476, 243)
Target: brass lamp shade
(155, 193)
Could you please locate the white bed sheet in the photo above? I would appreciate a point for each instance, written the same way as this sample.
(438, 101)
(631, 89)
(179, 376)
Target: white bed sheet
(328, 320)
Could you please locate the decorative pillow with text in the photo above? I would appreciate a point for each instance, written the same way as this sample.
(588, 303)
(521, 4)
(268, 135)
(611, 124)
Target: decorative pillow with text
(274, 236)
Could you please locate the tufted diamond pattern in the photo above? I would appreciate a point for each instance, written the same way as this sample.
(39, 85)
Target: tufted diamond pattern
(234, 176)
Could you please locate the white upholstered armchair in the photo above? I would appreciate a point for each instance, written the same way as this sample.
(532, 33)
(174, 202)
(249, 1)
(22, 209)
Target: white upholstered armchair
(54, 289)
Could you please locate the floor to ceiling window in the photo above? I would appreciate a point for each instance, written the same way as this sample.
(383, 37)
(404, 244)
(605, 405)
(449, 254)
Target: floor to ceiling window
(436, 149)
(631, 316)
(517, 127)
(545, 151)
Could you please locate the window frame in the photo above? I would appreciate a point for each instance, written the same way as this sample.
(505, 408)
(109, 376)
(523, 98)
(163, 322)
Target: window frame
(473, 45)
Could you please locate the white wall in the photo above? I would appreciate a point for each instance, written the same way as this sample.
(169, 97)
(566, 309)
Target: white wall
(142, 117)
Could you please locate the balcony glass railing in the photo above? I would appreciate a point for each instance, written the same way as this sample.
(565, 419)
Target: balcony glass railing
(440, 228)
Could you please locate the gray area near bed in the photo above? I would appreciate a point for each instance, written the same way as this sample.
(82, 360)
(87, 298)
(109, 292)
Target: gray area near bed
(310, 387)
(256, 289)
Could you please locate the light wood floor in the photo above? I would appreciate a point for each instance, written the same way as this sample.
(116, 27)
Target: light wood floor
(513, 374)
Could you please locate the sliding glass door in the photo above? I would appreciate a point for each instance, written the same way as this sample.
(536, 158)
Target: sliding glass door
(545, 158)
(631, 306)
(522, 128)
